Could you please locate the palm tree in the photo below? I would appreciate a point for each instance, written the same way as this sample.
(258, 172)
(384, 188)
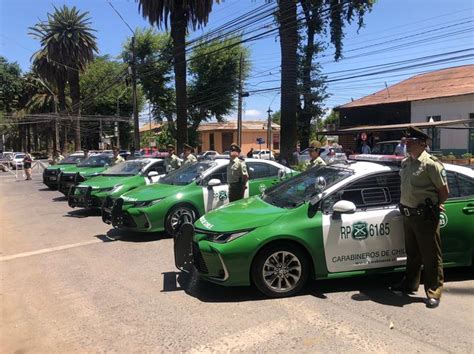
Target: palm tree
(67, 41)
(180, 14)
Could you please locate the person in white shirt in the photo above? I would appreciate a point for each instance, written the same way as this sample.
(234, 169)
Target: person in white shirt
(401, 149)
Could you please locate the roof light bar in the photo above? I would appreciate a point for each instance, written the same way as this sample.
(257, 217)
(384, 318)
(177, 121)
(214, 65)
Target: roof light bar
(376, 158)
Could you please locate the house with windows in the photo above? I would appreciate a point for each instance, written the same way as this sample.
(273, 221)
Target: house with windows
(219, 135)
(437, 96)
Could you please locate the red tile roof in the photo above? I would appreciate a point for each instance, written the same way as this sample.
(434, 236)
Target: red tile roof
(448, 82)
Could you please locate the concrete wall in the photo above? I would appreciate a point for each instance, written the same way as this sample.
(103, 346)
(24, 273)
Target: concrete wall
(448, 108)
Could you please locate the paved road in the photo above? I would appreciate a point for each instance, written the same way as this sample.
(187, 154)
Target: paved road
(68, 283)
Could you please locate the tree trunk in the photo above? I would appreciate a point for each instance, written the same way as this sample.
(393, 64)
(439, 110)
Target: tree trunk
(178, 34)
(76, 106)
(288, 45)
(61, 82)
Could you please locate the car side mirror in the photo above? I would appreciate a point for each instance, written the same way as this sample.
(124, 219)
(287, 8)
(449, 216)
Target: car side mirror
(281, 174)
(153, 174)
(213, 182)
(320, 184)
(343, 207)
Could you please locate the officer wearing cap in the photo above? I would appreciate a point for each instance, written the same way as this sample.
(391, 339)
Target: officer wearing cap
(188, 155)
(117, 158)
(172, 162)
(316, 159)
(237, 175)
(424, 189)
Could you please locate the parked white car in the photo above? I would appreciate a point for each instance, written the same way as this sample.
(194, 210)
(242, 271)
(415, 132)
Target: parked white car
(17, 161)
(263, 154)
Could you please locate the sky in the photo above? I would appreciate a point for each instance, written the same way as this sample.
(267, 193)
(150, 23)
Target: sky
(394, 31)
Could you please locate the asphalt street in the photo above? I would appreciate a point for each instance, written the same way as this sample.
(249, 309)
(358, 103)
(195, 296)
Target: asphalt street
(71, 284)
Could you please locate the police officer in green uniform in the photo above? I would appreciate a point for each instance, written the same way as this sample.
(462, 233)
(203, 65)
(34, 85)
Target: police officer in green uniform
(237, 175)
(316, 159)
(188, 155)
(424, 189)
(172, 162)
(117, 158)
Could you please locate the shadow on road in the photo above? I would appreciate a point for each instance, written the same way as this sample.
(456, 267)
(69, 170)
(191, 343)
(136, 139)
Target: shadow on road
(370, 288)
(128, 236)
(60, 199)
(82, 213)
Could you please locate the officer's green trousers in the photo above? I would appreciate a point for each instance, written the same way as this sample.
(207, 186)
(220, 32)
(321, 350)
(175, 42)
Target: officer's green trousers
(423, 247)
(236, 191)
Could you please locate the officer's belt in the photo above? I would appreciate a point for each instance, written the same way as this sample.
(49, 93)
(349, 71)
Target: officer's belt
(411, 211)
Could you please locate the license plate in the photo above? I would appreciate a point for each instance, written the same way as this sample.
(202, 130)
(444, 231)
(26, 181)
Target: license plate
(52, 178)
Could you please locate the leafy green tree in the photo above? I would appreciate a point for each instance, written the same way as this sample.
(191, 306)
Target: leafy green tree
(214, 83)
(10, 85)
(276, 117)
(180, 14)
(155, 71)
(115, 101)
(68, 41)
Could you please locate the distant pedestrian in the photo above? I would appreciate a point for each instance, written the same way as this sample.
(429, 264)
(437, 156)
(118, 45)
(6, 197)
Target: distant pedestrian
(401, 148)
(365, 148)
(250, 153)
(27, 161)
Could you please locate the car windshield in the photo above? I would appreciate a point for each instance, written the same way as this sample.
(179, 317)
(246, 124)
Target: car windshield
(295, 191)
(19, 156)
(96, 161)
(187, 174)
(71, 160)
(127, 168)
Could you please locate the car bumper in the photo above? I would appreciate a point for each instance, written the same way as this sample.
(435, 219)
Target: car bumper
(210, 259)
(134, 219)
(50, 181)
(83, 200)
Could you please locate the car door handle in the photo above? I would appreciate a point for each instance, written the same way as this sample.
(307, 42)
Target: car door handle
(469, 209)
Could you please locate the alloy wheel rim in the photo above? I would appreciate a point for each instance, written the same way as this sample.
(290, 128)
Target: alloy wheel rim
(282, 271)
(187, 215)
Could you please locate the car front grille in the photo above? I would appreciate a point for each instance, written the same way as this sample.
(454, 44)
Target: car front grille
(50, 172)
(199, 262)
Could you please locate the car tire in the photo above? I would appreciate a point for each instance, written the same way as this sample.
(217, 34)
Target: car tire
(174, 215)
(287, 267)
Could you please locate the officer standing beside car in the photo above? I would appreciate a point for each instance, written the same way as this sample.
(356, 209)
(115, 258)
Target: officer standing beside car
(172, 162)
(424, 189)
(237, 175)
(188, 155)
(117, 158)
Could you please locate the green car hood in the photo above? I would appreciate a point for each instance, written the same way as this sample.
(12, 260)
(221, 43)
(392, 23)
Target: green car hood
(152, 192)
(241, 215)
(87, 171)
(108, 181)
(64, 168)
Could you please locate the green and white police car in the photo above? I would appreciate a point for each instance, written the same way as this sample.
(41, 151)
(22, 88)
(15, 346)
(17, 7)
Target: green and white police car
(115, 181)
(92, 166)
(186, 193)
(51, 173)
(330, 221)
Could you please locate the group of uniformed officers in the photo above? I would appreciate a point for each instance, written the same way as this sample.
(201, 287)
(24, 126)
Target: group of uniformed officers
(237, 175)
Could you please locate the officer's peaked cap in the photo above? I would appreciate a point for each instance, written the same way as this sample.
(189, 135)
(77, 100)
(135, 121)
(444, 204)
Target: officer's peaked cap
(235, 147)
(415, 133)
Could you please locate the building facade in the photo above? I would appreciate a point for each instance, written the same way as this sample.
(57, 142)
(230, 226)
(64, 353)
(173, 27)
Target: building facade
(441, 95)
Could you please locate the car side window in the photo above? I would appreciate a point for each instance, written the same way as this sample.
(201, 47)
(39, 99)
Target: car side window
(220, 174)
(373, 191)
(261, 170)
(453, 185)
(157, 167)
(466, 185)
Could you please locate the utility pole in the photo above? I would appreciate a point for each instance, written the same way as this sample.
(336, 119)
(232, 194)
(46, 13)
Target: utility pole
(136, 126)
(269, 129)
(116, 126)
(239, 112)
(241, 95)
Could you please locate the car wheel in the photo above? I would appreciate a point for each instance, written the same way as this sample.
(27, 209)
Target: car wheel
(280, 270)
(177, 215)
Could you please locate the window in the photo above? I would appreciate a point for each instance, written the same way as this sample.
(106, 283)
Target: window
(434, 132)
(158, 167)
(211, 141)
(276, 141)
(261, 170)
(220, 174)
(379, 190)
(460, 186)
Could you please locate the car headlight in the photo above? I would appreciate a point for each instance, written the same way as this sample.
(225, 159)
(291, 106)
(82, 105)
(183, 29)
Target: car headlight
(147, 203)
(229, 236)
(116, 188)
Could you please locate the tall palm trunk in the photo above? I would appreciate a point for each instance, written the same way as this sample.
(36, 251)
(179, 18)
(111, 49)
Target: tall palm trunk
(61, 82)
(178, 34)
(76, 106)
(288, 45)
